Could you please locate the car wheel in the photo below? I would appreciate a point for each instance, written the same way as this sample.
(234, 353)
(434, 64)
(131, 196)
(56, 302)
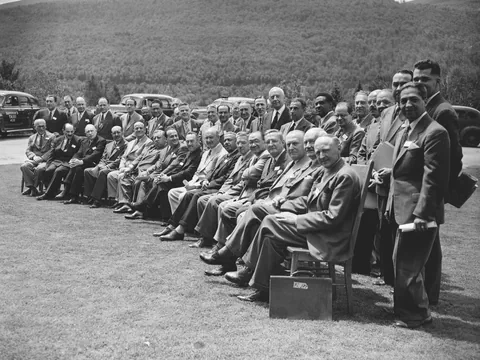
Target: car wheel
(471, 136)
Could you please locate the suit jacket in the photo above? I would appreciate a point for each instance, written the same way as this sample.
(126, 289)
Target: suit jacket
(366, 121)
(172, 160)
(127, 126)
(91, 153)
(60, 156)
(235, 176)
(420, 171)
(133, 150)
(327, 213)
(147, 158)
(248, 125)
(55, 123)
(329, 123)
(188, 167)
(160, 123)
(105, 129)
(369, 143)
(33, 148)
(350, 142)
(391, 120)
(112, 154)
(222, 170)
(303, 125)
(284, 118)
(441, 111)
(80, 123)
(194, 126)
(208, 163)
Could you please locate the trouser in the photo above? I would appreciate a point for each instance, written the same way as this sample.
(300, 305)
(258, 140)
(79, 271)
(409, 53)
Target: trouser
(175, 196)
(227, 218)
(31, 170)
(75, 179)
(54, 174)
(95, 182)
(186, 212)
(207, 211)
(364, 243)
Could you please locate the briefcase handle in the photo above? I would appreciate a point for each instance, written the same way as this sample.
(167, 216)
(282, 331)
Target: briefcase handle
(303, 273)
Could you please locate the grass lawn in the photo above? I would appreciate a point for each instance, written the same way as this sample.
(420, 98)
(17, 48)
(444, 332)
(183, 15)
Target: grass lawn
(80, 283)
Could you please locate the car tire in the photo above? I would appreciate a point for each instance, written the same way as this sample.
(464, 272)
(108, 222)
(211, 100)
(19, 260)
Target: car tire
(470, 136)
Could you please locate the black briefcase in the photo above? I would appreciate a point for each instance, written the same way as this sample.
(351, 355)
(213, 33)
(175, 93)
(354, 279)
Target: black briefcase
(464, 188)
(307, 298)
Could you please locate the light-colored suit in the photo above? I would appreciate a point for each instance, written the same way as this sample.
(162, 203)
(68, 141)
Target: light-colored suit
(160, 123)
(127, 125)
(37, 152)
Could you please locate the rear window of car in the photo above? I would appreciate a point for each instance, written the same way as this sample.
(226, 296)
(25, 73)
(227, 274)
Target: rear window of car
(23, 101)
(11, 101)
(33, 102)
(1, 99)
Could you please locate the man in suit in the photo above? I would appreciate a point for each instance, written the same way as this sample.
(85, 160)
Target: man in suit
(247, 117)
(129, 119)
(419, 181)
(279, 115)
(185, 216)
(321, 221)
(247, 171)
(372, 103)
(364, 117)
(105, 120)
(297, 109)
(236, 119)
(175, 154)
(38, 150)
(70, 110)
(171, 177)
(427, 72)
(95, 178)
(82, 117)
(146, 113)
(259, 123)
(349, 132)
(63, 149)
(158, 121)
(295, 181)
(324, 104)
(88, 155)
(134, 149)
(186, 124)
(54, 118)
(138, 170)
(224, 118)
(214, 151)
(212, 121)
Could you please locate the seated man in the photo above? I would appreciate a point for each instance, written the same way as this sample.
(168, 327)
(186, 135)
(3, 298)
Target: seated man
(322, 220)
(185, 216)
(175, 154)
(214, 151)
(38, 150)
(349, 132)
(88, 155)
(133, 151)
(95, 178)
(296, 180)
(171, 177)
(207, 205)
(138, 170)
(57, 166)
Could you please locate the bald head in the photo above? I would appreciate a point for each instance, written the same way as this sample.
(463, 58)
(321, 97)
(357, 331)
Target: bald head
(385, 99)
(276, 97)
(116, 133)
(211, 138)
(40, 126)
(68, 130)
(327, 150)
(90, 131)
(139, 129)
(81, 104)
(295, 146)
(372, 103)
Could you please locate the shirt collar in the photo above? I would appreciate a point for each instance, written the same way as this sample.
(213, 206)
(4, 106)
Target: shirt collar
(416, 121)
(280, 111)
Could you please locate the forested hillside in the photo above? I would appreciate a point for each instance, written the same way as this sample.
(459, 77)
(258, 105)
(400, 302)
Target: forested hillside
(201, 49)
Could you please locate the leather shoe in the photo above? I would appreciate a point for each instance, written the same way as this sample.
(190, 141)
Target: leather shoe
(27, 192)
(34, 192)
(42, 197)
(73, 200)
(202, 243)
(115, 205)
(165, 231)
(136, 215)
(219, 270)
(413, 324)
(211, 258)
(122, 210)
(62, 195)
(172, 236)
(240, 277)
(95, 205)
(257, 295)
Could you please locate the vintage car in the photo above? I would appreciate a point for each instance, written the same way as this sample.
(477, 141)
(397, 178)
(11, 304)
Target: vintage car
(144, 100)
(469, 125)
(16, 111)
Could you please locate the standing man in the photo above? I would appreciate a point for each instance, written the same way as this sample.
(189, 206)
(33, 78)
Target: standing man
(88, 155)
(211, 122)
(105, 120)
(38, 151)
(279, 115)
(246, 115)
(324, 104)
(349, 132)
(259, 123)
(419, 180)
(82, 117)
(223, 117)
(129, 119)
(54, 118)
(236, 120)
(158, 121)
(70, 110)
(427, 72)
(364, 117)
(297, 109)
(186, 124)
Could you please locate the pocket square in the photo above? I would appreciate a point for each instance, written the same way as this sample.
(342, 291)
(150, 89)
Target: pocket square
(413, 146)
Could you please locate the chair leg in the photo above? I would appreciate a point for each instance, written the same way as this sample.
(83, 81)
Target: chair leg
(348, 286)
(23, 184)
(331, 270)
(294, 263)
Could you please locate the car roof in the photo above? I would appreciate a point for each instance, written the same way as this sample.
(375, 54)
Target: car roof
(467, 108)
(148, 95)
(235, 99)
(18, 93)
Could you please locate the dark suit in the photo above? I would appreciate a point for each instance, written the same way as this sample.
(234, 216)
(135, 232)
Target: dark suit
(328, 123)
(369, 143)
(324, 223)
(57, 164)
(128, 124)
(160, 123)
(303, 125)
(104, 127)
(283, 119)
(418, 184)
(55, 121)
(194, 126)
(390, 122)
(80, 123)
(36, 147)
(95, 178)
(350, 142)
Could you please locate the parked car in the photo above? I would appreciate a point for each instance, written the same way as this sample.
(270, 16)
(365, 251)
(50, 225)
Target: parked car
(16, 111)
(144, 100)
(233, 99)
(469, 125)
(200, 113)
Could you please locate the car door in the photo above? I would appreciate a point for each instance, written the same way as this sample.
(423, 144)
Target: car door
(12, 114)
(23, 114)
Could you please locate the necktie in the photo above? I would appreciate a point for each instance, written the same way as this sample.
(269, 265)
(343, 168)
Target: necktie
(404, 137)
(100, 126)
(275, 120)
(292, 127)
(65, 144)
(51, 115)
(128, 121)
(41, 142)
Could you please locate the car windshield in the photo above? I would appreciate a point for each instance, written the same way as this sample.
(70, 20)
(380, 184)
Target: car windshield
(125, 98)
